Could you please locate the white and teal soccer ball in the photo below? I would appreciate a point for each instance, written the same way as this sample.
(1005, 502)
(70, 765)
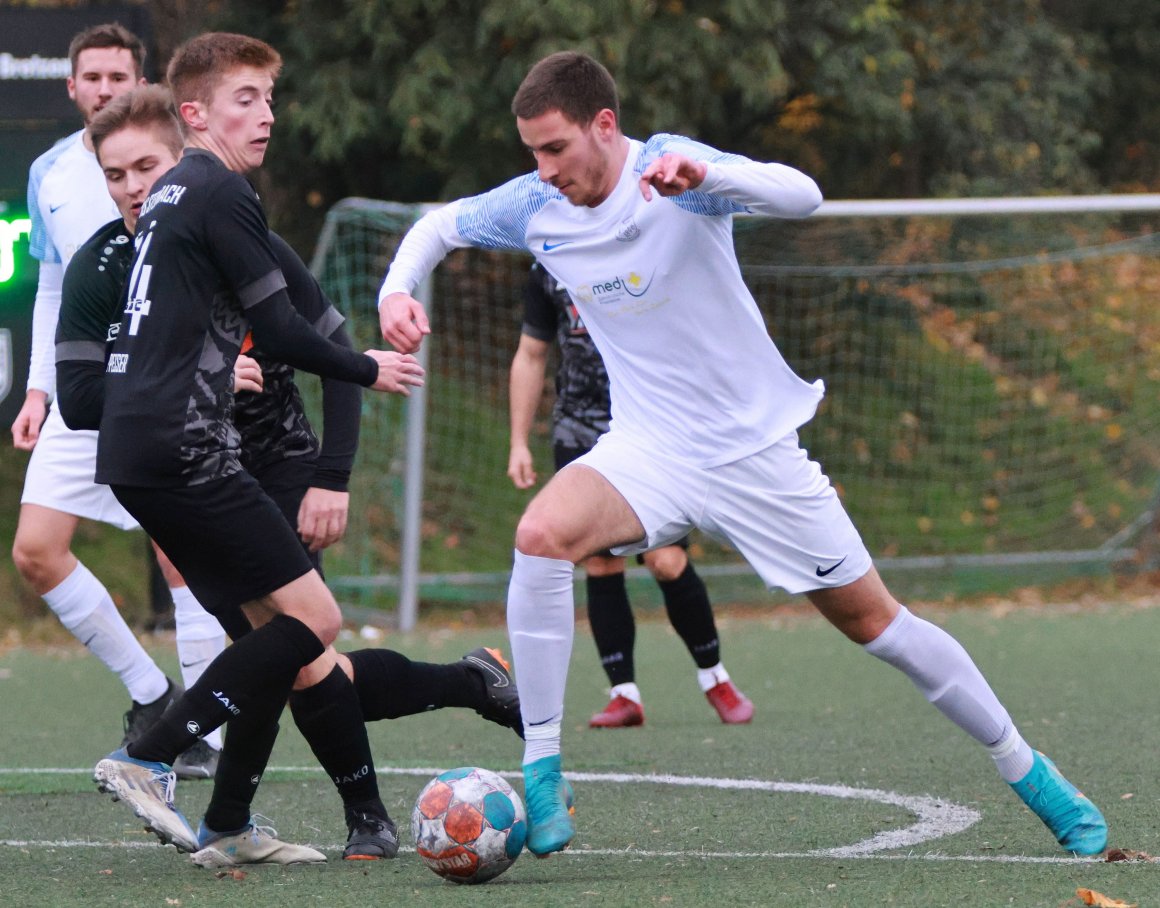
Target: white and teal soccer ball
(469, 825)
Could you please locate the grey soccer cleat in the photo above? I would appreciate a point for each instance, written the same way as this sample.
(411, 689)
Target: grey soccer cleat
(140, 717)
(200, 761)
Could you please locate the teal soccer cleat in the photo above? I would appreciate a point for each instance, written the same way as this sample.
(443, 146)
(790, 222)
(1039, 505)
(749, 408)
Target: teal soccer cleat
(1074, 820)
(546, 794)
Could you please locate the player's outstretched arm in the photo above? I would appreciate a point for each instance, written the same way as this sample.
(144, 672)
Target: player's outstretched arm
(398, 372)
(403, 321)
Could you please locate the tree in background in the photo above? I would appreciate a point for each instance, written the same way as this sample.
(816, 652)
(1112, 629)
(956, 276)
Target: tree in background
(408, 99)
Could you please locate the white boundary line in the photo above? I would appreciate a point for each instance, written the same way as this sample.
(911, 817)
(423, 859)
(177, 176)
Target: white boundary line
(936, 818)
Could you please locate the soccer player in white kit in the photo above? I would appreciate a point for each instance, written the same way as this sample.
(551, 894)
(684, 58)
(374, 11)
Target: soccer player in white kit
(67, 202)
(705, 413)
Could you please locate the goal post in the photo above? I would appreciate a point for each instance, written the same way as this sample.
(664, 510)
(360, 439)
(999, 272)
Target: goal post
(992, 370)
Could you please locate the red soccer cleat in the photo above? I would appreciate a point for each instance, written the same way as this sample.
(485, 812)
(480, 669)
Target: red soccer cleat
(732, 706)
(620, 712)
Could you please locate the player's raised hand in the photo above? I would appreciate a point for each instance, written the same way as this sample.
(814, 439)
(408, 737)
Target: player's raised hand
(520, 467)
(247, 374)
(403, 321)
(26, 426)
(671, 174)
(398, 372)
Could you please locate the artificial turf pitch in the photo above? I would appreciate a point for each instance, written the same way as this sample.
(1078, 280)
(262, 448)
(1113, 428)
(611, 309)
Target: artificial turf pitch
(847, 790)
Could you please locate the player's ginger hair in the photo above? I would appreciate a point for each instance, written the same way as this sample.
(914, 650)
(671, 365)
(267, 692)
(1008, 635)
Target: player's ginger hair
(147, 107)
(200, 63)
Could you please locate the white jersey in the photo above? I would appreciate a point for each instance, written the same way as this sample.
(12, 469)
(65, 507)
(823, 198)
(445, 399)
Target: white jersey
(67, 202)
(692, 368)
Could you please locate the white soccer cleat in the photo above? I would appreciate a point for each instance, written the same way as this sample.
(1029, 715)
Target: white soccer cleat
(147, 787)
(253, 844)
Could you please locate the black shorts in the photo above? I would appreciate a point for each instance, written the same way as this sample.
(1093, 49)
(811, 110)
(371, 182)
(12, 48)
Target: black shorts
(565, 455)
(286, 482)
(227, 537)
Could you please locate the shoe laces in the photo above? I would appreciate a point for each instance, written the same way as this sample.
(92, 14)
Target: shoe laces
(263, 828)
(167, 780)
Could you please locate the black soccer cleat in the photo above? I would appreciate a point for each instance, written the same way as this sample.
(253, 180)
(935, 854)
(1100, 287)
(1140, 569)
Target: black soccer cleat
(140, 717)
(501, 700)
(371, 837)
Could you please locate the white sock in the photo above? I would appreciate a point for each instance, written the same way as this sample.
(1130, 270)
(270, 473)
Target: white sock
(85, 607)
(709, 678)
(541, 618)
(1013, 757)
(542, 741)
(940, 668)
(628, 690)
(200, 640)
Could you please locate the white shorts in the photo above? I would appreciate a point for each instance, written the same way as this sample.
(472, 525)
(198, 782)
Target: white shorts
(776, 507)
(60, 476)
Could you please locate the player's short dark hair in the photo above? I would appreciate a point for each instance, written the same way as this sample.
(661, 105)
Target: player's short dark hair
(147, 107)
(200, 63)
(570, 82)
(108, 34)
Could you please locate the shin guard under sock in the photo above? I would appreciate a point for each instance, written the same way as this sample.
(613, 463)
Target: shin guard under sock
(255, 673)
(390, 685)
(613, 627)
(331, 720)
(691, 615)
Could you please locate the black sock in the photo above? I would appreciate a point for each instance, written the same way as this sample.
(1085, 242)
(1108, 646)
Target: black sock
(691, 615)
(253, 674)
(331, 720)
(613, 627)
(390, 685)
(249, 741)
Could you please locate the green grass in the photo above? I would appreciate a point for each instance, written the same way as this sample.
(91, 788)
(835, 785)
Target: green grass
(1080, 682)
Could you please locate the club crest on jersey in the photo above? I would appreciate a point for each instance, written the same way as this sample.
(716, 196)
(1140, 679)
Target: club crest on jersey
(628, 230)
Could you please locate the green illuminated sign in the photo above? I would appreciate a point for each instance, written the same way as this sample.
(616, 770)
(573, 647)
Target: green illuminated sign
(11, 230)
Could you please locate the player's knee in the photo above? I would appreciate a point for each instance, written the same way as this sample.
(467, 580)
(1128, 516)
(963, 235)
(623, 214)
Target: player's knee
(36, 563)
(537, 536)
(667, 563)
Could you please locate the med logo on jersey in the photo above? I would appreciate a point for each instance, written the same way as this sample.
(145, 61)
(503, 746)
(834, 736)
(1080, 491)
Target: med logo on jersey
(615, 289)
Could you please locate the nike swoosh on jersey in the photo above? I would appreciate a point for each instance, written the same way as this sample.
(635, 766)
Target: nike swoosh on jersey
(548, 247)
(53, 209)
(830, 569)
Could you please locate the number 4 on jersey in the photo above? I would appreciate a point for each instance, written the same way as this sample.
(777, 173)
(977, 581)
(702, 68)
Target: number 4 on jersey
(139, 304)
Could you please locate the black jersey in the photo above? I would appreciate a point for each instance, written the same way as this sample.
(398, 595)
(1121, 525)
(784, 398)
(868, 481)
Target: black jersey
(583, 401)
(88, 321)
(203, 275)
(273, 424)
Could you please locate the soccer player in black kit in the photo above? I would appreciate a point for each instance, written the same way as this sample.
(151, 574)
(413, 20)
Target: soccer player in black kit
(203, 276)
(138, 139)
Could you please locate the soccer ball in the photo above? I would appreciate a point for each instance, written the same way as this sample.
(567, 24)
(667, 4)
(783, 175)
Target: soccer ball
(469, 825)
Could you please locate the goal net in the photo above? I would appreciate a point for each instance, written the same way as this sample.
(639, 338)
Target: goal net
(992, 376)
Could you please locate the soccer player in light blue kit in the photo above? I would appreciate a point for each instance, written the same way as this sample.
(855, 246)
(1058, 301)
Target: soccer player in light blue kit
(705, 413)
